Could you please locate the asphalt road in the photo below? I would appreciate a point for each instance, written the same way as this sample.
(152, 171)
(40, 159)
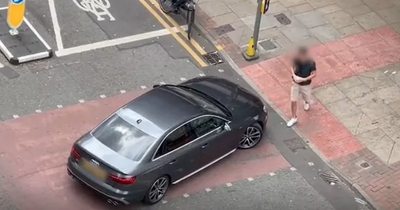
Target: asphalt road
(91, 75)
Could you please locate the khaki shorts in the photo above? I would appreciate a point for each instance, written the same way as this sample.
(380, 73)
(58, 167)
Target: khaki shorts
(298, 91)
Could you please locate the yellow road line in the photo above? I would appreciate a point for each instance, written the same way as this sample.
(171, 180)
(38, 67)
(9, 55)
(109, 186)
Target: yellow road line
(183, 32)
(176, 36)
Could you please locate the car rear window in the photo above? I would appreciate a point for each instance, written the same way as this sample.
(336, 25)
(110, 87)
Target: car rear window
(124, 138)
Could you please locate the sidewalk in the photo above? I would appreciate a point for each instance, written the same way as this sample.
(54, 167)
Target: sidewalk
(355, 124)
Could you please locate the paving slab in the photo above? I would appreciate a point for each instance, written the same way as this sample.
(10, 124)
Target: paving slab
(227, 18)
(388, 94)
(267, 22)
(300, 8)
(376, 80)
(390, 15)
(351, 30)
(378, 4)
(329, 9)
(277, 7)
(370, 21)
(357, 10)
(311, 19)
(214, 8)
(296, 33)
(290, 3)
(243, 8)
(340, 19)
(376, 110)
(319, 3)
(348, 83)
(326, 33)
(349, 3)
(396, 26)
(395, 106)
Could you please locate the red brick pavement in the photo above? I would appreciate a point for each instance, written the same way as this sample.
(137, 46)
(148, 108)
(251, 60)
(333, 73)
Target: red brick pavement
(335, 61)
(34, 150)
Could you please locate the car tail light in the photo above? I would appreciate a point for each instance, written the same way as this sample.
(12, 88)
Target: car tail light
(75, 154)
(124, 180)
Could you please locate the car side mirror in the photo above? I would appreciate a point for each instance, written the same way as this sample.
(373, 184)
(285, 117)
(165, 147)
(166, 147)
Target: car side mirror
(227, 127)
(156, 86)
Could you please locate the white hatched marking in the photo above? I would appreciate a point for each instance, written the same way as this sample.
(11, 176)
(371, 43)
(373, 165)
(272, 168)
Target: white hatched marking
(220, 70)
(250, 179)
(143, 87)
(38, 111)
(122, 91)
(102, 96)
(185, 195)
(15, 116)
(202, 75)
(59, 106)
(1, 65)
(229, 184)
(162, 83)
(81, 101)
(292, 168)
(310, 163)
(182, 79)
(164, 201)
(208, 189)
(272, 174)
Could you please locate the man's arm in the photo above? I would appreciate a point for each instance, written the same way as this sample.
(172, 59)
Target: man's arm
(313, 72)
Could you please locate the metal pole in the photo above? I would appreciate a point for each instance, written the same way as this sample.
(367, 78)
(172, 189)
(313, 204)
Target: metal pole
(257, 24)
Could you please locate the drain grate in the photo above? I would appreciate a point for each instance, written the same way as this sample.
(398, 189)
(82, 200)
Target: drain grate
(283, 19)
(329, 177)
(363, 164)
(268, 45)
(9, 72)
(223, 29)
(295, 144)
(213, 58)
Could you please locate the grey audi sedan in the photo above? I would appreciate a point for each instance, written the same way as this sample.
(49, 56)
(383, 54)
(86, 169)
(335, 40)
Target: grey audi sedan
(165, 136)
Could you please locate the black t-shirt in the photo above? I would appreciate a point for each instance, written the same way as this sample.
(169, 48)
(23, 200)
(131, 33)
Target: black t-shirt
(304, 69)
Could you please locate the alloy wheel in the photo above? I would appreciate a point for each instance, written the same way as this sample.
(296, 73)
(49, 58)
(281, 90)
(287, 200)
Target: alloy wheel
(158, 189)
(250, 138)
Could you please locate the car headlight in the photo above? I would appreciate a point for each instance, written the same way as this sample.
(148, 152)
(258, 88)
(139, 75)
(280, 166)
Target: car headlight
(265, 109)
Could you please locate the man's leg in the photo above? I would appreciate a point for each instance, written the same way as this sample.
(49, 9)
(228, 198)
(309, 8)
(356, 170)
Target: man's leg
(306, 95)
(294, 96)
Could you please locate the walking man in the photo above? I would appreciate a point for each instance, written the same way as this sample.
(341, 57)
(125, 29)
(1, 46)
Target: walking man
(303, 71)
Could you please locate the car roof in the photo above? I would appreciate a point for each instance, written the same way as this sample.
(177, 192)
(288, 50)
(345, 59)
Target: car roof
(164, 108)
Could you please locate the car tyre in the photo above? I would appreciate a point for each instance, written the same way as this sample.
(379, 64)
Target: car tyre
(157, 190)
(251, 137)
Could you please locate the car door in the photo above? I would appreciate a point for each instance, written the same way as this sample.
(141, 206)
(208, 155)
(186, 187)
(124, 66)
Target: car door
(213, 138)
(176, 153)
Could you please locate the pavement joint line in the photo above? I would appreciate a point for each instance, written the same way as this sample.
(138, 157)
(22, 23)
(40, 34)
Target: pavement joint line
(143, 87)
(59, 106)
(272, 174)
(199, 60)
(250, 179)
(183, 79)
(122, 91)
(195, 44)
(229, 184)
(185, 195)
(310, 163)
(38, 111)
(208, 189)
(15, 116)
(103, 96)
(81, 101)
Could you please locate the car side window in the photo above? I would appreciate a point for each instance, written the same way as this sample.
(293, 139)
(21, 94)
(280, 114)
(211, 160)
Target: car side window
(176, 139)
(207, 124)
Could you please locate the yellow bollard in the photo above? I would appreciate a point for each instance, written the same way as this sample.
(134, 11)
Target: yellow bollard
(15, 15)
(251, 50)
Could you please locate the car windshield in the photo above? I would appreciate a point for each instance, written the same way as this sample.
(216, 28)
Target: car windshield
(124, 138)
(201, 99)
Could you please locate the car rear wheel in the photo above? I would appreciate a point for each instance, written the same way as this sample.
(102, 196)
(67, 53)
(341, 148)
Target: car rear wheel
(157, 190)
(251, 137)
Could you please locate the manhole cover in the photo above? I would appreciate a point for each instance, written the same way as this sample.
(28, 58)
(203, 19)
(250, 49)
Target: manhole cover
(294, 144)
(9, 72)
(283, 19)
(223, 29)
(213, 58)
(363, 164)
(329, 177)
(268, 45)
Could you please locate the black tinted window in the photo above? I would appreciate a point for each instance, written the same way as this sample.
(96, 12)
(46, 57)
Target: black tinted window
(124, 138)
(204, 125)
(176, 139)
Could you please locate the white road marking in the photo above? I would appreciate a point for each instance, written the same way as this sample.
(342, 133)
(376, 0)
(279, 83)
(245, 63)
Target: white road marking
(59, 106)
(250, 179)
(143, 87)
(229, 184)
(56, 25)
(38, 111)
(102, 96)
(122, 91)
(162, 83)
(272, 174)
(292, 168)
(220, 70)
(208, 189)
(310, 163)
(1, 65)
(164, 201)
(182, 79)
(202, 75)
(114, 42)
(15, 116)
(185, 195)
(94, 6)
(81, 101)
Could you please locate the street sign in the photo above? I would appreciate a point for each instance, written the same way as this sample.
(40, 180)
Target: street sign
(265, 6)
(15, 15)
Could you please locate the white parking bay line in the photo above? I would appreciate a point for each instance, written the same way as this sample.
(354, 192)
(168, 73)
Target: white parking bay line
(1, 65)
(114, 42)
(56, 25)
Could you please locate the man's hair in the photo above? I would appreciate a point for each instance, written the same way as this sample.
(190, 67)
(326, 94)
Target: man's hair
(303, 50)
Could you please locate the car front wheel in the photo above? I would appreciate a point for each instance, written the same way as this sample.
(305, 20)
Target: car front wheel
(157, 190)
(251, 137)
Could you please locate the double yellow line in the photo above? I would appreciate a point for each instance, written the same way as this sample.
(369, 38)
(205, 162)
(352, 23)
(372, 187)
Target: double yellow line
(178, 38)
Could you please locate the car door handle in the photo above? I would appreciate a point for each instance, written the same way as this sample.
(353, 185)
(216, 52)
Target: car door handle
(204, 146)
(172, 162)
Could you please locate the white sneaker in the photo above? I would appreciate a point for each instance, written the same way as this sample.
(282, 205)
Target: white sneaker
(291, 122)
(306, 106)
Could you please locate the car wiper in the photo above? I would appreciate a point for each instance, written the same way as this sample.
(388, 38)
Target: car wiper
(213, 100)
